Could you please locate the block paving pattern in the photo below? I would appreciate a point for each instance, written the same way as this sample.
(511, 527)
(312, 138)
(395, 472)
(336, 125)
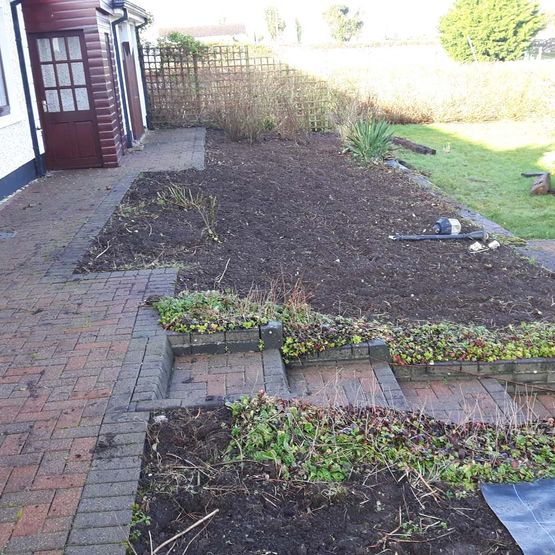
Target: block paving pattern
(461, 400)
(536, 405)
(71, 349)
(357, 384)
(206, 379)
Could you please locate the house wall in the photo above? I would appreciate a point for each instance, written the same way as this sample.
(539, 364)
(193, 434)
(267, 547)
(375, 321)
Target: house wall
(93, 19)
(17, 157)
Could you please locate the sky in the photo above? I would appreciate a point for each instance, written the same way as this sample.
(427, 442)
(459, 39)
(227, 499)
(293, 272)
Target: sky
(382, 18)
(402, 18)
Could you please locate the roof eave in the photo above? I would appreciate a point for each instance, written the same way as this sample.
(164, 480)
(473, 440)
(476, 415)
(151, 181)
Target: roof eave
(132, 8)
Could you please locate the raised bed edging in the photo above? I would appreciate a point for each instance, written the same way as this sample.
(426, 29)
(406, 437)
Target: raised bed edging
(269, 336)
(375, 350)
(536, 371)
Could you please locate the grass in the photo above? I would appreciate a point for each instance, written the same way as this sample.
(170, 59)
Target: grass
(479, 164)
(420, 84)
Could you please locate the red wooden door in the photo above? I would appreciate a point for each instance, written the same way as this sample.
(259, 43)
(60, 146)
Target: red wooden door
(132, 86)
(65, 103)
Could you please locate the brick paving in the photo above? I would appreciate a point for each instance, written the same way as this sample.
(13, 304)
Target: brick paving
(201, 380)
(356, 384)
(535, 405)
(71, 350)
(462, 400)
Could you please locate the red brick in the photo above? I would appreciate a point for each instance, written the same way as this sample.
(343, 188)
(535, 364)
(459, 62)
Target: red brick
(82, 449)
(65, 502)
(70, 418)
(64, 481)
(57, 524)
(13, 444)
(6, 529)
(31, 521)
(76, 363)
(21, 478)
(93, 394)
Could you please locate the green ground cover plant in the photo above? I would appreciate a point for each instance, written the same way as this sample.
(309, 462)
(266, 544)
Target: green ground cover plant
(307, 332)
(480, 165)
(305, 442)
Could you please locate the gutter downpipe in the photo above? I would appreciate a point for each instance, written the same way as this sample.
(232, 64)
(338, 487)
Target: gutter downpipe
(123, 93)
(40, 169)
(143, 76)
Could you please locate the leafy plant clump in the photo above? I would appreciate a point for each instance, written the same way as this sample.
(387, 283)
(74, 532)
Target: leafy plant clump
(307, 332)
(343, 25)
(369, 140)
(187, 43)
(305, 442)
(490, 30)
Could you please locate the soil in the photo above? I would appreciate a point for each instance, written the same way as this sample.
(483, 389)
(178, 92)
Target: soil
(184, 479)
(290, 212)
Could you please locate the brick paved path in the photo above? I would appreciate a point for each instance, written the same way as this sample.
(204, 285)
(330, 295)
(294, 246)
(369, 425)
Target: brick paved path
(70, 352)
(462, 400)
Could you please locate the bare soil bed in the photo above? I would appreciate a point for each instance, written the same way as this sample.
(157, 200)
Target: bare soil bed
(184, 479)
(292, 212)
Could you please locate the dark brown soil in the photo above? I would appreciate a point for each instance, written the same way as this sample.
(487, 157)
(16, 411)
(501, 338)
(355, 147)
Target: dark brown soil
(293, 212)
(183, 480)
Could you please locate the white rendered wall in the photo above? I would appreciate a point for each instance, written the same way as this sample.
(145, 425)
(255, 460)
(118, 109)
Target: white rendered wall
(16, 147)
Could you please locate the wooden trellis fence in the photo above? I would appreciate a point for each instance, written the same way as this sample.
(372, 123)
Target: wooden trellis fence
(187, 88)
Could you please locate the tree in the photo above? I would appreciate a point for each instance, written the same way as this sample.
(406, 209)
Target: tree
(343, 27)
(274, 22)
(178, 39)
(490, 30)
(298, 30)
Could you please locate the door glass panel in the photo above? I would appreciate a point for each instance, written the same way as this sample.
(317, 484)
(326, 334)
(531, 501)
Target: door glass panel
(48, 77)
(82, 98)
(78, 71)
(59, 47)
(68, 104)
(64, 80)
(53, 101)
(45, 53)
(74, 46)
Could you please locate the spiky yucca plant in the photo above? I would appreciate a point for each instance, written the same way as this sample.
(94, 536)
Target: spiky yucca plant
(369, 140)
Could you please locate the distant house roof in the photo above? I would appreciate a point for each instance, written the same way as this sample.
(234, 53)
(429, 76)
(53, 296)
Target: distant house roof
(229, 29)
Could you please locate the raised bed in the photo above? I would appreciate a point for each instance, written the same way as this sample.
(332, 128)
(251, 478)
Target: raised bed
(516, 373)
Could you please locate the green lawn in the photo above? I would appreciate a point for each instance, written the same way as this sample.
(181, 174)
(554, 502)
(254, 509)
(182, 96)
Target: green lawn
(480, 164)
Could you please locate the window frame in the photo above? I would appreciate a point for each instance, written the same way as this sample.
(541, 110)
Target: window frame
(5, 109)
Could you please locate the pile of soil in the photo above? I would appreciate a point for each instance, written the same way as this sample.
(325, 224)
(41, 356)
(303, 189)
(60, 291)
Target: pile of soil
(184, 479)
(290, 212)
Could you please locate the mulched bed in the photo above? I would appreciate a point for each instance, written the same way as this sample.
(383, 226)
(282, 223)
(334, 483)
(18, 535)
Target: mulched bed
(184, 479)
(306, 212)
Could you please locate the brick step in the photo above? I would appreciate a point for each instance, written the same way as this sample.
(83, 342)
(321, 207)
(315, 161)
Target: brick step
(202, 380)
(349, 383)
(535, 405)
(463, 399)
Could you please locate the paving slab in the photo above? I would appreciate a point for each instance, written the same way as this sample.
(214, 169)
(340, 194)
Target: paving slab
(70, 356)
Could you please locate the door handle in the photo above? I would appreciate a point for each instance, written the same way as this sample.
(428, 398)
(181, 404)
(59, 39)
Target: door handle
(44, 106)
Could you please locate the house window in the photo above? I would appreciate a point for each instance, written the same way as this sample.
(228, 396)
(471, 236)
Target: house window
(4, 103)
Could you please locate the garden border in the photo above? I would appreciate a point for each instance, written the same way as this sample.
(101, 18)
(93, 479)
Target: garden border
(519, 375)
(543, 258)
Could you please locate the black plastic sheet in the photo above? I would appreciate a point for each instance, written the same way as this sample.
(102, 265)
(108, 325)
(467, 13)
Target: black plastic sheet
(528, 512)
